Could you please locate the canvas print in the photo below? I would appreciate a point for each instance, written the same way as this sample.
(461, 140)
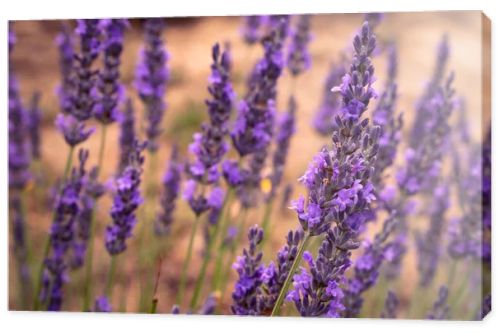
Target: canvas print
(329, 165)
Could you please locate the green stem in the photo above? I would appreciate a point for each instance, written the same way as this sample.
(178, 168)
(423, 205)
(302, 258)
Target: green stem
(220, 254)
(187, 260)
(154, 303)
(87, 289)
(288, 280)
(48, 241)
(108, 292)
(201, 276)
(266, 220)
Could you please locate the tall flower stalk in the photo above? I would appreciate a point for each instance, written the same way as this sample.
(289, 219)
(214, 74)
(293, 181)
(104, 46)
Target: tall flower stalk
(62, 235)
(340, 191)
(209, 147)
(126, 200)
(109, 91)
(151, 79)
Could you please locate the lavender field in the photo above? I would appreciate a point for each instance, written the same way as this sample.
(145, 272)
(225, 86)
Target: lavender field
(283, 165)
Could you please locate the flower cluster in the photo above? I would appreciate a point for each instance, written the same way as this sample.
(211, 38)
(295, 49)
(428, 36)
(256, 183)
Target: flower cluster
(209, 146)
(440, 309)
(34, 118)
(108, 84)
(92, 190)
(65, 44)
(340, 189)
(126, 201)
(284, 132)
(151, 79)
(127, 134)
(250, 30)
(323, 121)
(298, 58)
(62, 235)
(390, 306)
(249, 269)
(171, 184)
(19, 157)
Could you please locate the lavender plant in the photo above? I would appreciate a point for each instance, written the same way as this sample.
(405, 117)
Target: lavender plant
(127, 134)
(62, 234)
(251, 28)
(34, 117)
(390, 306)
(151, 79)
(209, 147)
(298, 57)
(171, 184)
(340, 190)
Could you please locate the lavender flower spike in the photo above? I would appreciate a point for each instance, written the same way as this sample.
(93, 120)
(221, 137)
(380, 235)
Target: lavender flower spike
(299, 59)
(126, 201)
(286, 128)
(151, 79)
(340, 190)
(34, 118)
(65, 43)
(390, 307)
(210, 145)
(83, 98)
(250, 29)
(323, 121)
(19, 158)
(127, 134)
(62, 234)
(440, 309)
(171, 183)
(108, 83)
(102, 304)
(249, 269)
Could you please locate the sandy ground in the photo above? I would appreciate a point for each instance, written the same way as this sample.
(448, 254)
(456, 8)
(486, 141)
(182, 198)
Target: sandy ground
(189, 41)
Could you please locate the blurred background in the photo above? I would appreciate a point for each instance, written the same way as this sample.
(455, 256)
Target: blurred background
(189, 42)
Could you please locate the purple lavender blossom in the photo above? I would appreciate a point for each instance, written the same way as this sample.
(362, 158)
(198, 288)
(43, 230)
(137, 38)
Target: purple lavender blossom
(21, 247)
(65, 43)
(298, 58)
(210, 145)
(373, 19)
(92, 190)
(171, 184)
(74, 131)
(108, 83)
(208, 308)
(249, 269)
(102, 304)
(440, 309)
(151, 78)
(390, 306)
(323, 121)
(274, 275)
(127, 199)
(83, 97)
(19, 157)
(251, 29)
(485, 307)
(127, 134)
(34, 119)
(253, 127)
(466, 239)
(340, 189)
(424, 104)
(285, 130)
(486, 199)
(390, 124)
(428, 244)
(62, 234)
(319, 292)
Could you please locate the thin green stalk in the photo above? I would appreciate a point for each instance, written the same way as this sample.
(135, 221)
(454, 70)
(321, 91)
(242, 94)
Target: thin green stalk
(224, 221)
(266, 220)
(201, 276)
(187, 260)
(286, 285)
(48, 242)
(108, 292)
(87, 289)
